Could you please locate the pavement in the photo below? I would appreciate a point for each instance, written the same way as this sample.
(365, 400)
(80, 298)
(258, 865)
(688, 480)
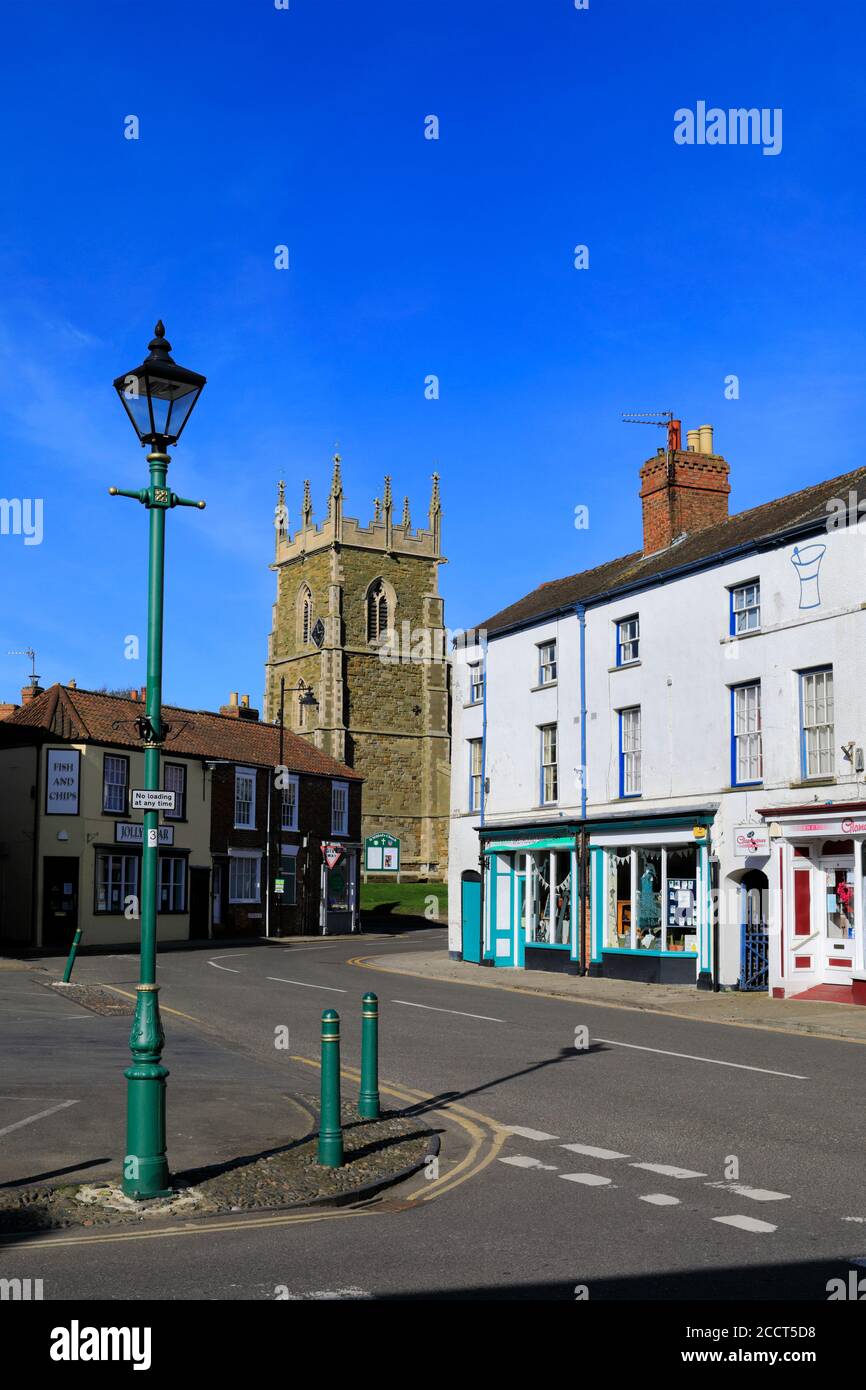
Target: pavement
(588, 1150)
(749, 1010)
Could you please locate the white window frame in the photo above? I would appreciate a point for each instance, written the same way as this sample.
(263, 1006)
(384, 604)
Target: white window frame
(548, 785)
(476, 683)
(630, 741)
(250, 773)
(129, 881)
(748, 752)
(817, 734)
(245, 856)
(176, 884)
(119, 760)
(547, 662)
(179, 813)
(746, 608)
(292, 785)
(628, 640)
(339, 808)
(476, 764)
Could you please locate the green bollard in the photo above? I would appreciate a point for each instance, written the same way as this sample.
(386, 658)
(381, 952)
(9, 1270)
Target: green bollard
(368, 1100)
(330, 1130)
(70, 960)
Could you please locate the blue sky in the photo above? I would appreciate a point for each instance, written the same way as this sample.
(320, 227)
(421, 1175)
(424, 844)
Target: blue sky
(408, 257)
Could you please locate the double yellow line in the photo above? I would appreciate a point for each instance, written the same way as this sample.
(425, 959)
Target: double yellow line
(486, 1139)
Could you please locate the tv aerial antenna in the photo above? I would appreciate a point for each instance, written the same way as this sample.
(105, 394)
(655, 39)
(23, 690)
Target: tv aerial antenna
(665, 419)
(34, 679)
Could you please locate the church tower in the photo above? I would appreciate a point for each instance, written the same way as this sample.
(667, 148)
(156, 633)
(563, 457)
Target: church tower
(358, 626)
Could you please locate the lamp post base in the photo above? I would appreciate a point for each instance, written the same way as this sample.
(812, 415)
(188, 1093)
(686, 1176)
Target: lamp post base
(145, 1166)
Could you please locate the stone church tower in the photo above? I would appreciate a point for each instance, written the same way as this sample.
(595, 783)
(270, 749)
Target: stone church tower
(358, 622)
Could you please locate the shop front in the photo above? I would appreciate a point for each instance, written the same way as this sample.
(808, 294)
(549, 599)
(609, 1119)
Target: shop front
(651, 900)
(531, 898)
(819, 859)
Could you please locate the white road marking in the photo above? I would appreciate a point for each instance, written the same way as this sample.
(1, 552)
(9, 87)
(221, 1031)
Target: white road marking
(668, 1170)
(351, 1292)
(528, 1133)
(588, 1179)
(459, 1012)
(591, 1152)
(31, 1119)
(216, 965)
(660, 1199)
(757, 1194)
(844, 1218)
(524, 1161)
(305, 984)
(715, 1061)
(745, 1223)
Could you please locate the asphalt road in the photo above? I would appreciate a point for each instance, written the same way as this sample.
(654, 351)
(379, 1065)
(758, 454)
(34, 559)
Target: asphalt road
(666, 1159)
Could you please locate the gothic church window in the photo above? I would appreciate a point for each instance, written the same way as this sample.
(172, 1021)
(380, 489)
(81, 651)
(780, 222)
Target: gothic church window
(305, 615)
(377, 612)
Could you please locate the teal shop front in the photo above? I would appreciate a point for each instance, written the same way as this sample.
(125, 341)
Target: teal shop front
(531, 898)
(651, 896)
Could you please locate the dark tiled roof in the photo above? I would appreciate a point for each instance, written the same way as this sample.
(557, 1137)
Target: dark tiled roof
(759, 524)
(88, 716)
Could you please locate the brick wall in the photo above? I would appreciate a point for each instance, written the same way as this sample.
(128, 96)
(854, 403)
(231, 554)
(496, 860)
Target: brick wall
(685, 495)
(314, 823)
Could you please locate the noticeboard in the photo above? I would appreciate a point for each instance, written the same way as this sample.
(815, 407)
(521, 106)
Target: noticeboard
(382, 854)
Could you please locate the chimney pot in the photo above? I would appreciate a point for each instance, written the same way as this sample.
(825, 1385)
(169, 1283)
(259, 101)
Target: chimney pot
(693, 441)
(706, 437)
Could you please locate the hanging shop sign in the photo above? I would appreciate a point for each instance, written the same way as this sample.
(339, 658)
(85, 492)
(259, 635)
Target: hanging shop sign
(331, 853)
(62, 776)
(382, 854)
(751, 839)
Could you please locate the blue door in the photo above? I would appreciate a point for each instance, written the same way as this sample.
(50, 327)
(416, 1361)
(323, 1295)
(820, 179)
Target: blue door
(470, 917)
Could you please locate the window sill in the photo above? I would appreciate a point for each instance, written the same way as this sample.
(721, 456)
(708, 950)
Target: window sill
(631, 796)
(548, 945)
(813, 782)
(741, 636)
(244, 827)
(245, 902)
(473, 704)
(545, 685)
(640, 951)
(625, 666)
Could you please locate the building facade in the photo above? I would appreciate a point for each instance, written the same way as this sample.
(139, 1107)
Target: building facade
(264, 837)
(357, 661)
(659, 763)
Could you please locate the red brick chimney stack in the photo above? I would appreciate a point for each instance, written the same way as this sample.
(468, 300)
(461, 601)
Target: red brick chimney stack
(233, 710)
(683, 490)
(29, 692)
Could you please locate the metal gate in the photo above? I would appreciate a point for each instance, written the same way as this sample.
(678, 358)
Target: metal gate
(754, 957)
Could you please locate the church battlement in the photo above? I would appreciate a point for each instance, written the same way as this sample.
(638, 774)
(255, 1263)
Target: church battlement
(345, 591)
(381, 534)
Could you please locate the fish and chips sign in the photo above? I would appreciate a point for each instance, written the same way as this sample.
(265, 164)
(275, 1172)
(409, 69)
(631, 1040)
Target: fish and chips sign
(62, 776)
(382, 854)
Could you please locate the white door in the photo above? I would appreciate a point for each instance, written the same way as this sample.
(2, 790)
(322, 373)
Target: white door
(838, 919)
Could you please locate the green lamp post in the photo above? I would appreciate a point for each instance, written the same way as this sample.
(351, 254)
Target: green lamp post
(158, 397)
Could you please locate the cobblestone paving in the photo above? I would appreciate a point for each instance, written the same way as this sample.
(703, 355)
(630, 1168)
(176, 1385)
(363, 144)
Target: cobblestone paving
(375, 1151)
